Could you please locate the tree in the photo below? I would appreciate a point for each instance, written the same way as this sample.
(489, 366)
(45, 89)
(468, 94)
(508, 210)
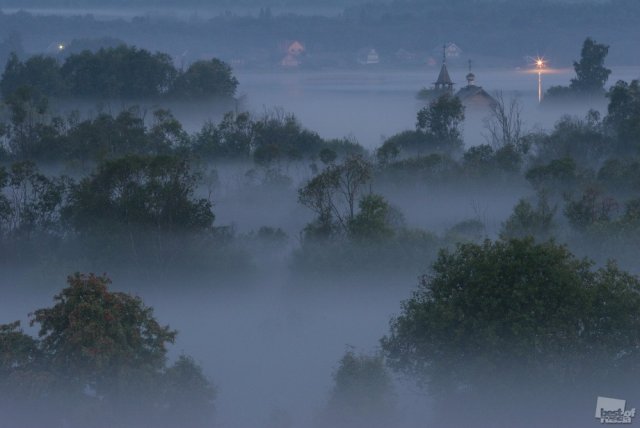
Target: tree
(527, 221)
(504, 123)
(119, 72)
(279, 136)
(23, 381)
(407, 143)
(206, 79)
(107, 137)
(623, 118)
(231, 138)
(442, 120)
(187, 395)
(592, 208)
(591, 74)
(362, 394)
(100, 358)
(18, 350)
(557, 175)
(31, 134)
(333, 195)
(373, 221)
(514, 319)
(156, 192)
(40, 73)
(97, 338)
(583, 140)
(34, 201)
(140, 208)
(11, 78)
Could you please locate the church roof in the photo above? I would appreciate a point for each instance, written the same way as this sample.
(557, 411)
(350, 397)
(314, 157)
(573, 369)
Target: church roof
(443, 77)
(472, 91)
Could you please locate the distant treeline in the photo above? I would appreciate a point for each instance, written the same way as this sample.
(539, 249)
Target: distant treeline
(172, 3)
(500, 33)
(122, 72)
(31, 132)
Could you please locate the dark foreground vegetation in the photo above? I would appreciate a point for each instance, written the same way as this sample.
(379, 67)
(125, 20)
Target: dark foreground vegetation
(543, 312)
(99, 360)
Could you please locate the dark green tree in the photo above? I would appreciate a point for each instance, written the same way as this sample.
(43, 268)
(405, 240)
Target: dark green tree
(529, 221)
(24, 383)
(591, 74)
(187, 395)
(514, 316)
(206, 79)
(442, 120)
(31, 133)
(139, 208)
(279, 136)
(373, 221)
(121, 72)
(40, 73)
(334, 193)
(362, 395)
(592, 208)
(623, 118)
(34, 201)
(232, 138)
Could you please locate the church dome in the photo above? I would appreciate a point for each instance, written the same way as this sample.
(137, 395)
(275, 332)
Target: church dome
(471, 78)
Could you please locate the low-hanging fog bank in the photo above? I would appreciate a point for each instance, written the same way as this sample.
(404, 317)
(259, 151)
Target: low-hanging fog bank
(373, 104)
(268, 287)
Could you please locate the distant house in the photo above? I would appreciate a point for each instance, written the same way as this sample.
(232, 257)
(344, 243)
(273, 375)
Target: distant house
(296, 48)
(368, 56)
(372, 57)
(473, 96)
(294, 52)
(452, 50)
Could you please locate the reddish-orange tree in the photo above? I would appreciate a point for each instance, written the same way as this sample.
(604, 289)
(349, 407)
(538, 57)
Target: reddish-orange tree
(100, 359)
(98, 338)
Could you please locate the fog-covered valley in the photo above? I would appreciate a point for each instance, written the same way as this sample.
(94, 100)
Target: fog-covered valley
(316, 240)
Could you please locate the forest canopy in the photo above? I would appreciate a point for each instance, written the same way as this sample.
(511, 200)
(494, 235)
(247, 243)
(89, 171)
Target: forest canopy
(122, 72)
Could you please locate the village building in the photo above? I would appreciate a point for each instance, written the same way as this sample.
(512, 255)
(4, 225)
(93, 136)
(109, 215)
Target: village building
(473, 96)
(368, 56)
(294, 52)
(444, 84)
(296, 48)
(372, 57)
(451, 51)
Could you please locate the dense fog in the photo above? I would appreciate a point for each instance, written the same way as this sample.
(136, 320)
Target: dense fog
(323, 227)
